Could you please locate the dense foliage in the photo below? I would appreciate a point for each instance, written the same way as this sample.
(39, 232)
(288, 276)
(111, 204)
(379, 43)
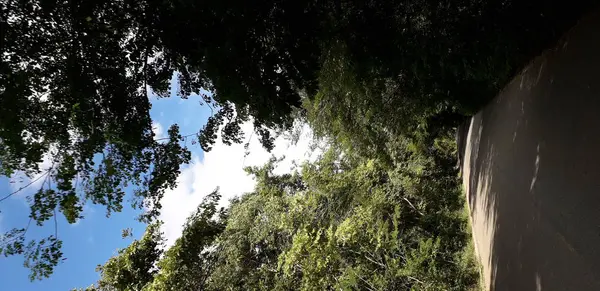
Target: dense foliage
(343, 223)
(184, 266)
(75, 76)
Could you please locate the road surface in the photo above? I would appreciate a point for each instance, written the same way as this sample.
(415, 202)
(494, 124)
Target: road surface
(532, 171)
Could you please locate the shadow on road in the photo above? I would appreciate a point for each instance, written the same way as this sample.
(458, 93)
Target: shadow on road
(532, 172)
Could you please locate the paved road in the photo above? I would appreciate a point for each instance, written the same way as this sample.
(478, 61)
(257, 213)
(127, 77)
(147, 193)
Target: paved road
(532, 172)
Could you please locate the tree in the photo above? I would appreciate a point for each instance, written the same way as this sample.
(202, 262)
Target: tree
(345, 222)
(74, 77)
(133, 267)
(73, 91)
(186, 265)
(249, 248)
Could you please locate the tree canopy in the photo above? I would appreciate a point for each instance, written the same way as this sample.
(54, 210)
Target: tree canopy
(75, 78)
(186, 265)
(342, 223)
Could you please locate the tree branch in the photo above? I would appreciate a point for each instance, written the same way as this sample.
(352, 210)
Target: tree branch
(413, 207)
(184, 136)
(19, 236)
(369, 286)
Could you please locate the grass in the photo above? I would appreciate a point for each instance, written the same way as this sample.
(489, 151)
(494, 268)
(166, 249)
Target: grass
(469, 258)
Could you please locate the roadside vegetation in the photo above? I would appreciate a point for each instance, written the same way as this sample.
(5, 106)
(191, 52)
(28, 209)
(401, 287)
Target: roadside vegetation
(343, 222)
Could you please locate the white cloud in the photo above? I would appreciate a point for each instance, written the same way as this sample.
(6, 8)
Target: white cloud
(223, 167)
(159, 131)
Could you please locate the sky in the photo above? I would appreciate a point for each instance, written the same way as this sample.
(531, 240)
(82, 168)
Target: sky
(94, 239)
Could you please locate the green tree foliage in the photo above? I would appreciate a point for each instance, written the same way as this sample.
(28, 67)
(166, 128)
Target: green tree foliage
(343, 223)
(189, 262)
(133, 267)
(74, 77)
(186, 265)
(254, 238)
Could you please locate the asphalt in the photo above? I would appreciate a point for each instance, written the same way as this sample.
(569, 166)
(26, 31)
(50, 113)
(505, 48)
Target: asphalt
(531, 171)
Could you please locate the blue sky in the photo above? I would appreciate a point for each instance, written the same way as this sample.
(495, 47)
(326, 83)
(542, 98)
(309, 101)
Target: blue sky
(96, 238)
